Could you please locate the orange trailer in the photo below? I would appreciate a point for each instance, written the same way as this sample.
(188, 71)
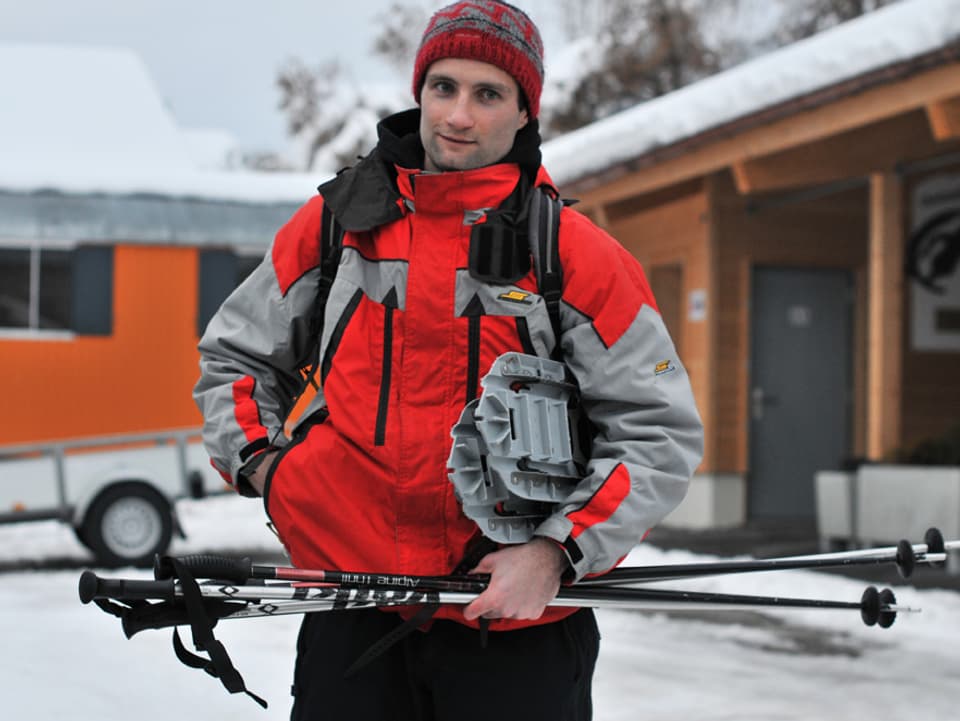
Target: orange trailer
(103, 299)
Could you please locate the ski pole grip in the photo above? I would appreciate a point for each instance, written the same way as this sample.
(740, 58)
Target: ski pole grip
(92, 587)
(205, 565)
(165, 617)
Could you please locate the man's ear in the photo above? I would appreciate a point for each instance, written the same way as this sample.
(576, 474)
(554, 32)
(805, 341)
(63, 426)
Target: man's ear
(524, 119)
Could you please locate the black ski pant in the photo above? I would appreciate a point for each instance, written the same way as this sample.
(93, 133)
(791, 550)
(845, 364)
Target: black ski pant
(541, 673)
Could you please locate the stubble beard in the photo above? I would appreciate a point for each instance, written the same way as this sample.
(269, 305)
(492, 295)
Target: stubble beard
(445, 162)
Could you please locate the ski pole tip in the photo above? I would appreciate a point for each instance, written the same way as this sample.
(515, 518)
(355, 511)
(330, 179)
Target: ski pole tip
(878, 608)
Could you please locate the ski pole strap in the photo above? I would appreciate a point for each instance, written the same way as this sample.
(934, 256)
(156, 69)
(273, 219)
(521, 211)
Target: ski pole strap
(479, 548)
(218, 664)
(424, 614)
(119, 610)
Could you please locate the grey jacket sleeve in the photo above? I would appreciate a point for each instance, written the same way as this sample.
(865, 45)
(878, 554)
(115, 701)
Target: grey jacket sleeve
(253, 348)
(648, 437)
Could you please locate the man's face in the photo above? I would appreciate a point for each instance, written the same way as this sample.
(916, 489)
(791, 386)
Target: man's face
(470, 114)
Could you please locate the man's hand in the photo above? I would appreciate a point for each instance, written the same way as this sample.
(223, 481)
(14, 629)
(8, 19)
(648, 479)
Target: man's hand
(523, 580)
(258, 478)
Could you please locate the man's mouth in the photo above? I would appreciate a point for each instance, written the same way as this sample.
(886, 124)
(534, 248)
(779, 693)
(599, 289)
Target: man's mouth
(456, 141)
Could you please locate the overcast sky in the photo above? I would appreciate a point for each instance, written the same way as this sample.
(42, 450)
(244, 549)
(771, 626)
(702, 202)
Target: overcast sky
(215, 61)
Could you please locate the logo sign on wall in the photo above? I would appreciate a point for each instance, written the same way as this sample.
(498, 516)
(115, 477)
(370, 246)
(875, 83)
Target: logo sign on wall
(933, 265)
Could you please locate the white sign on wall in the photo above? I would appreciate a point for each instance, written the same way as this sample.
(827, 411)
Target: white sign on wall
(697, 305)
(933, 265)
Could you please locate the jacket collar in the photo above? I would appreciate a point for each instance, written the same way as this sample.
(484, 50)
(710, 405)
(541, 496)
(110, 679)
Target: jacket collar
(376, 190)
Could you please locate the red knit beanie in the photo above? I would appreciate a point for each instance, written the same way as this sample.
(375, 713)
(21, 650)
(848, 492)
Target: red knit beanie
(492, 32)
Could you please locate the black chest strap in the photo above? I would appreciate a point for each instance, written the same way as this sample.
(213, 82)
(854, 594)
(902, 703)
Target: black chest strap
(544, 237)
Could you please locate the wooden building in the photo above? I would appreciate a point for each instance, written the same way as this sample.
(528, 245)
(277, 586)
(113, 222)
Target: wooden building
(799, 219)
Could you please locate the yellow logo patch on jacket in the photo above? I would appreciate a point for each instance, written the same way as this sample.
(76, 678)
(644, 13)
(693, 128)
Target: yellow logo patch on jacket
(662, 367)
(516, 296)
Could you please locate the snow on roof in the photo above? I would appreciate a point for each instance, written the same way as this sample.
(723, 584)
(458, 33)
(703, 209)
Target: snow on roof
(896, 33)
(90, 120)
(212, 148)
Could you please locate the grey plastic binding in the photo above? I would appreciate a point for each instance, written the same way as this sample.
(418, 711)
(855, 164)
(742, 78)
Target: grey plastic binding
(514, 456)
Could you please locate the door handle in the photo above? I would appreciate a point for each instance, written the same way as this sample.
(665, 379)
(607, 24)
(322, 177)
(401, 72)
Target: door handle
(759, 400)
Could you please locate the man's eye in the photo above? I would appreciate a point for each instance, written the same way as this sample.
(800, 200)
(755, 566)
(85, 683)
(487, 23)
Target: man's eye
(442, 86)
(489, 95)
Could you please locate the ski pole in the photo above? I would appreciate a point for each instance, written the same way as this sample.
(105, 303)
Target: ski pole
(241, 570)
(905, 556)
(289, 599)
(876, 607)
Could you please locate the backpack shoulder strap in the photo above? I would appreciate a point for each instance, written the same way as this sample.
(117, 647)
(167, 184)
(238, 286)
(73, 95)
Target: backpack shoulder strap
(544, 235)
(331, 247)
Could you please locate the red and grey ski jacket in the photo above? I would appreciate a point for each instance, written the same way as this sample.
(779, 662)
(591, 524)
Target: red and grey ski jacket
(407, 333)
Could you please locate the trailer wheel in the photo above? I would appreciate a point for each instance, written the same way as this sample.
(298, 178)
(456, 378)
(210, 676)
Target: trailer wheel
(78, 532)
(127, 525)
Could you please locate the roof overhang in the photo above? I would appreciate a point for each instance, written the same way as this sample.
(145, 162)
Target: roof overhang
(928, 82)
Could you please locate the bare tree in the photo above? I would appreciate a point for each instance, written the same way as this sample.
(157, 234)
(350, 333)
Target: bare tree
(401, 24)
(648, 48)
(810, 17)
(332, 117)
(305, 92)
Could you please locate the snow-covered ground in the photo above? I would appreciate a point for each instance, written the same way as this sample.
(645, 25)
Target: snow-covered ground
(63, 660)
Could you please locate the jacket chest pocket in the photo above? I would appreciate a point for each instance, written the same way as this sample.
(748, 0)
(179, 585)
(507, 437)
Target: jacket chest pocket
(500, 319)
(357, 365)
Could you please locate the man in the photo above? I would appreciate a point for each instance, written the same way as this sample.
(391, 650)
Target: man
(408, 330)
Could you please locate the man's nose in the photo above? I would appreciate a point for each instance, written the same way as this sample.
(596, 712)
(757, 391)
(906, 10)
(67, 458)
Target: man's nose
(460, 115)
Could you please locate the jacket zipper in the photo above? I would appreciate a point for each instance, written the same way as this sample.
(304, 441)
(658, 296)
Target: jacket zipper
(337, 334)
(473, 356)
(381, 427)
